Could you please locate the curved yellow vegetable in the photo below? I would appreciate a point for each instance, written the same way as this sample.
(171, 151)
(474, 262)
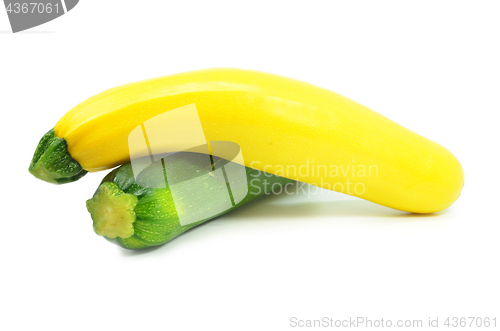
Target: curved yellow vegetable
(283, 126)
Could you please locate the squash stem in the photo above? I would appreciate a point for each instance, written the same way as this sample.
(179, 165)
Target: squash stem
(52, 162)
(112, 211)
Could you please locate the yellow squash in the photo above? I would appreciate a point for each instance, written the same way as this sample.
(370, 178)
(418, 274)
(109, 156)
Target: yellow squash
(283, 126)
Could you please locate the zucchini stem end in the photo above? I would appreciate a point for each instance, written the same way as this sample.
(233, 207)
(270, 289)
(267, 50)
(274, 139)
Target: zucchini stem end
(112, 211)
(52, 162)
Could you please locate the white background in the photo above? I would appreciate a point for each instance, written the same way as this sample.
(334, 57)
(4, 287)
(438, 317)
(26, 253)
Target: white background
(432, 66)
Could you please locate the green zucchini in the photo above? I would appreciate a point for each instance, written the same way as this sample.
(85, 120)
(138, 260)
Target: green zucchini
(172, 195)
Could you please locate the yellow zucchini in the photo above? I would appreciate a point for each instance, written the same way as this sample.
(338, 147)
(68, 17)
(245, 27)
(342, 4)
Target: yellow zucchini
(283, 126)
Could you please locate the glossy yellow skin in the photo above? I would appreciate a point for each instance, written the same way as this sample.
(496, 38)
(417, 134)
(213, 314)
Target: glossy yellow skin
(280, 124)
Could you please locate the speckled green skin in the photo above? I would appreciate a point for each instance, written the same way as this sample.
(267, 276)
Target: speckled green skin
(157, 221)
(52, 162)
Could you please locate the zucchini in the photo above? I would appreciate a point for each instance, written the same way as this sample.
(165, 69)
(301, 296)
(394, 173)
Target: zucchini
(173, 195)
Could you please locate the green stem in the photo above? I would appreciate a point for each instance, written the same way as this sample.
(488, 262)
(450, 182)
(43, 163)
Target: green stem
(53, 163)
(112, 211)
